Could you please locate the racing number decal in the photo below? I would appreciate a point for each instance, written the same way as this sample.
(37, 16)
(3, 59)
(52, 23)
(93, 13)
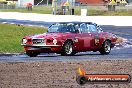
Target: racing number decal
(96, 41)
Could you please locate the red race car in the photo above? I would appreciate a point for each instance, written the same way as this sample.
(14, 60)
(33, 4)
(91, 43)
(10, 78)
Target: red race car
(69, 38)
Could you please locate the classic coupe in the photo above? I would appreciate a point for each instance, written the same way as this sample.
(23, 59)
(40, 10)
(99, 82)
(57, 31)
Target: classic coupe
(69, 38)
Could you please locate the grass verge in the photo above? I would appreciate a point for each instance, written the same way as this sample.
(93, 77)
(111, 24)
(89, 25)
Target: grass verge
(36, 9)
(11, 36)
(92, 11)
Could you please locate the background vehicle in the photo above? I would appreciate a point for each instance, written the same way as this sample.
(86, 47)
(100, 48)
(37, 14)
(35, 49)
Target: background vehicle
(70, 38)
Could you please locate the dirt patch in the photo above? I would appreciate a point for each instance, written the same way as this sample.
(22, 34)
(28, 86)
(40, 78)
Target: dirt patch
(59, 74)
(119, 40)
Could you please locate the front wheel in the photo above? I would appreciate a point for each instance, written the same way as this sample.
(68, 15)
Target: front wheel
(31, 53)
(106, 48)
(67, 49)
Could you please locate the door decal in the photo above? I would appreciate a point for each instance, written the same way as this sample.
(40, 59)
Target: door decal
(96, 41)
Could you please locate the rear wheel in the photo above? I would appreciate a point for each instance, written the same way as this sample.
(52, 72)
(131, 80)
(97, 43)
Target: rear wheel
(31, 53)
(67, 49)
(106, 48)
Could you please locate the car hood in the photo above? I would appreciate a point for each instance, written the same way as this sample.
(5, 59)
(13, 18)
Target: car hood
(46, 35)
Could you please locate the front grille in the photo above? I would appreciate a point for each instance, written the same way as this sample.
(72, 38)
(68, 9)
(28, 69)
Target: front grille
(38, 41)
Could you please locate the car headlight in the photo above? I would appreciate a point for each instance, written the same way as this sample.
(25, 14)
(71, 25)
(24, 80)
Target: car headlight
(24, 41)
(54, 41)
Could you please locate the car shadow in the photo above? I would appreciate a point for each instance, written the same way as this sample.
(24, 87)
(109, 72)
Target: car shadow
(46, 56)
(78, 54)
(87, 54)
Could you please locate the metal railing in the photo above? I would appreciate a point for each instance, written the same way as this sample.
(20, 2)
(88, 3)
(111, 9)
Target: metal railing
(5, 6)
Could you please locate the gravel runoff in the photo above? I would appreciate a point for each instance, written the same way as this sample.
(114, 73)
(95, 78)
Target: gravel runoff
(59, 74)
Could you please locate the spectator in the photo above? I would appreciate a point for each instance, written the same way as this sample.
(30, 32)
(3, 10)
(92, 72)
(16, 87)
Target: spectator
(29, 6)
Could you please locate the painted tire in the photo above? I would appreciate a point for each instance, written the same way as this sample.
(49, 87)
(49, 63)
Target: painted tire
(81, 80)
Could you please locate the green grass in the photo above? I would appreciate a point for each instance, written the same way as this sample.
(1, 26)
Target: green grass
(11, 36)
(92, 11)
(109, 13)
(36, 9)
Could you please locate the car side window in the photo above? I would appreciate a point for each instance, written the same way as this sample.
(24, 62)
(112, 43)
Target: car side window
(83, 28)
(88, 28)
(71, 28)
(92, 28)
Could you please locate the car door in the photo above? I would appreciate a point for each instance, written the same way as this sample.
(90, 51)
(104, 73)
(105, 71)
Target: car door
(95, 35)
(78, 41)
(86, 36)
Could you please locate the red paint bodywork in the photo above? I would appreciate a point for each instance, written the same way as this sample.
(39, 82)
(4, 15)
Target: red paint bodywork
(85, 41)
(81, 41)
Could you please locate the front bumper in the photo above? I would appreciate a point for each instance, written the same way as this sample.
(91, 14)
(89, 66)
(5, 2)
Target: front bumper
(37, 45)
(42, 48)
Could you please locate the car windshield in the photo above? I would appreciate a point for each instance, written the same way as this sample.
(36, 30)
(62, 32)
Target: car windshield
(61, 28)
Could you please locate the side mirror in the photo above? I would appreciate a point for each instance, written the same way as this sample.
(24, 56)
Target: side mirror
(99, 29)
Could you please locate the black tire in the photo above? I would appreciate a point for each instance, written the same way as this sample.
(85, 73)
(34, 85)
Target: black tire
(106, 48)
(67, 49)
(32, 54)
(81, 80)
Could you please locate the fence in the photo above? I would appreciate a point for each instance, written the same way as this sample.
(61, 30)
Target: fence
(5, 6)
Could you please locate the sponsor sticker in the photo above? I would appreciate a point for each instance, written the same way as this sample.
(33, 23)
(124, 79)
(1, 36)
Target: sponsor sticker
(83, 78)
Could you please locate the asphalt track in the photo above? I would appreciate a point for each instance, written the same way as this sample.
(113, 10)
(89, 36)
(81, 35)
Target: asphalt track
(120, 52)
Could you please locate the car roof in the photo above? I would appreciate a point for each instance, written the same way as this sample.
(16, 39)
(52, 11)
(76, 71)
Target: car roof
(75, 23)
